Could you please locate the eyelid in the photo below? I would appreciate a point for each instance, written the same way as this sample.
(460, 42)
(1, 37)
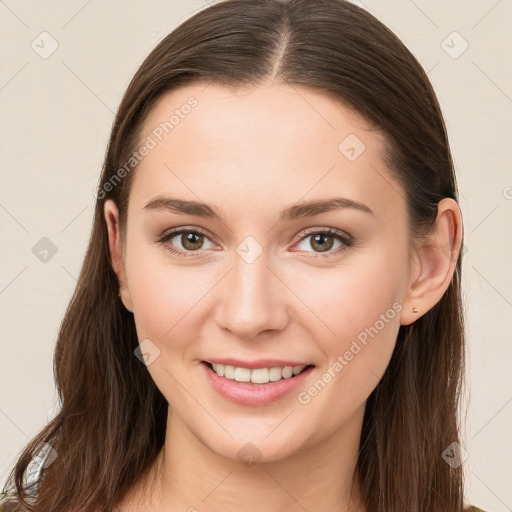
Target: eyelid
(346, 239)
(331, 231)
(166, 236)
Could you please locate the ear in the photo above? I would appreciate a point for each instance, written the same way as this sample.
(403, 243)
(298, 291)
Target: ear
(111, 213)
(435, 260)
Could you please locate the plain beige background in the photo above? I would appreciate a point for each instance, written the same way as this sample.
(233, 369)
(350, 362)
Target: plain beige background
(56, 114)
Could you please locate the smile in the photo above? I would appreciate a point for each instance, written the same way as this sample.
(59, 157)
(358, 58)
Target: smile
(260, 385)
(256, 375)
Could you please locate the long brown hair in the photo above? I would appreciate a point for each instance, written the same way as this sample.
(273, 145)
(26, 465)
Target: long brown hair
(112, 418)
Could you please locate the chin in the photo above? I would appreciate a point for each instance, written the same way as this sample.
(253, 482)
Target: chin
(257, 445)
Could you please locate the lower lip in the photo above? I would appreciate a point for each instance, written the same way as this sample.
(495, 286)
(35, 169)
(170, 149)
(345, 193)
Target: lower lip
(245, 393)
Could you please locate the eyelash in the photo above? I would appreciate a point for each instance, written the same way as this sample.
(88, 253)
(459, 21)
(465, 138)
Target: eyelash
(346, 241)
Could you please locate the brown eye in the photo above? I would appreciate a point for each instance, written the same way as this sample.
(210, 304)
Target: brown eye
(184, 242)
(322, 242)
(191, 240)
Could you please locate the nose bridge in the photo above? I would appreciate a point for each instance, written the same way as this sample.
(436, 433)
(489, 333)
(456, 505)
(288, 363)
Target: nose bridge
(251, 301)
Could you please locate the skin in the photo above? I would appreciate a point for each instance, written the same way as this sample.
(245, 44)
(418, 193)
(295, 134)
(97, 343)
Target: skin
(251, 153)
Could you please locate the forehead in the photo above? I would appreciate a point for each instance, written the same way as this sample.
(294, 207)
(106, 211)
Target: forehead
(272, 113)
(274, 142)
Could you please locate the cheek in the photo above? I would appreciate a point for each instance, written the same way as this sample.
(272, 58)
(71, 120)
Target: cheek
(356, 322)
(166, 297)
(167, 301)
(365, 321)
(344, 302)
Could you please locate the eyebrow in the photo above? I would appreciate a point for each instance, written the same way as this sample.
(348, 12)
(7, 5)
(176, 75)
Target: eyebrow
(296, 211)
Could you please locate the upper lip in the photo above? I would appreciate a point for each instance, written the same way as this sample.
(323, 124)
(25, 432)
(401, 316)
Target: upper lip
(257, 363)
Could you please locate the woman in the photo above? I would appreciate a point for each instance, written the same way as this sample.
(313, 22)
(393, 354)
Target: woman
(269, 312)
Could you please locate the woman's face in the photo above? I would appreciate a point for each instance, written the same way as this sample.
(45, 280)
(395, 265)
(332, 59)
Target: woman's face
(257, 277)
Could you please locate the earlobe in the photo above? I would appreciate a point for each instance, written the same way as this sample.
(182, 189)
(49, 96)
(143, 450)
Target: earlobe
(111, 214)
(436, 260)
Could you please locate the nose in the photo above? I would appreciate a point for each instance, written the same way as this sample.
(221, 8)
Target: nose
(252, 299)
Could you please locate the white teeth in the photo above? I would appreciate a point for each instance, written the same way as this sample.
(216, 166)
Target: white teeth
(275, 374)
(287, 372)
(257, 375)
(242, 374)
(229, 371)
(297, 369)
(219, 368)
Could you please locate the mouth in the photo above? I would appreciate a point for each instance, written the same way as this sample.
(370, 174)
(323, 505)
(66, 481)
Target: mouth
(257, 386)
(257, 375)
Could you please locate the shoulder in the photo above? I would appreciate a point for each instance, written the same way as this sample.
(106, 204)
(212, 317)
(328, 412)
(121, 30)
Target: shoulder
(470, 508)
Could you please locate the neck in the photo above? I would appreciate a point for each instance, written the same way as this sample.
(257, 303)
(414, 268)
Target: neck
(188, 476)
